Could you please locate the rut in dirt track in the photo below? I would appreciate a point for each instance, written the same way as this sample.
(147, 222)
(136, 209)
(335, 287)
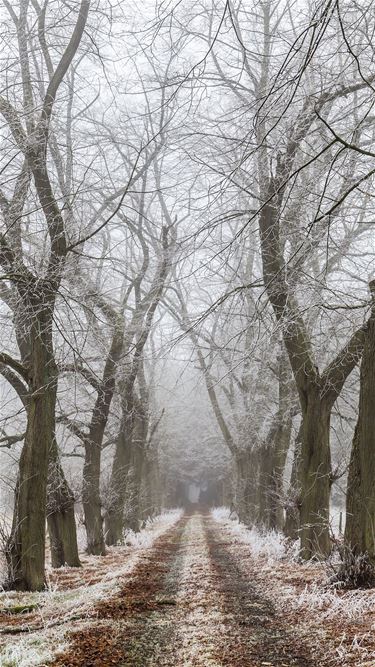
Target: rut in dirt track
(186, 605)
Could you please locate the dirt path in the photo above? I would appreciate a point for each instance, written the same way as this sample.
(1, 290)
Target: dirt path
(186, 605)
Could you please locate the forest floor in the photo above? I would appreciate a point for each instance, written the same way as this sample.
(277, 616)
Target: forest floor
(204, 592)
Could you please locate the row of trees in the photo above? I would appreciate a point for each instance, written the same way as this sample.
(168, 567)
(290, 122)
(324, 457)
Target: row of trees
(86, 253)
(163, 209)
(303, 169)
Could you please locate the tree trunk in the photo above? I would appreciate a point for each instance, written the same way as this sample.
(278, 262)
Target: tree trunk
(92, 505)
(133, 515)
(360, 499)
(317, 392)
(272, 457)
(291, 526)
(265, 484)
(276, 517)
(114, 518)
(271, 473)
(60, 515)
(91, 501)
(150, 487)
(26, 547)
(314, 476)
(125, 507)
(246, 485)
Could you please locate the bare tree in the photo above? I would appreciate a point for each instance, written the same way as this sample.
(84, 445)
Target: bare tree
(37, 294)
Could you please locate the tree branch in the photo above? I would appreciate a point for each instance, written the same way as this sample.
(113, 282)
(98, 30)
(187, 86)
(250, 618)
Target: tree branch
(73, 427)
(10, 440)
(63, 65)
(85, 372)
(16, 365)
(346, 360)
(15, 381)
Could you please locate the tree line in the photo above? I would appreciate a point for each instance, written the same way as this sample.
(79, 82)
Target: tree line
(191, 184)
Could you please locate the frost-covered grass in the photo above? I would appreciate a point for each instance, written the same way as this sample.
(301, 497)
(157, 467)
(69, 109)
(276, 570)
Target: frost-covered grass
(267, 544)
(301, 592)
(221, 513)
(351, 605)
(146, 537)
(282, 566)
(56, 609)
(31, 651)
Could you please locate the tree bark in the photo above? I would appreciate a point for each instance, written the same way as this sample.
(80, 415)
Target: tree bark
(273, 453)
(133, 518)
(133, 515)
(247, 464)
(91, 501)
(26, 547)
(277, 486)
(150, 492)
(360, 499)
(92, 505)
(60, 515)
(127, 470)
(114, 518)
(291, 526)
(315, 476)
(271, 473)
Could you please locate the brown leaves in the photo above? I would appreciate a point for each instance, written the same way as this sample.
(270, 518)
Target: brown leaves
(96, 646)
(124, 616)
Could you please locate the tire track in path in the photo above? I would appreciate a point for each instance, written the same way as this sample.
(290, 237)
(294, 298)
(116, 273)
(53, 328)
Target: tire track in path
(186, 604)
(257, 635)
(134, 627)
